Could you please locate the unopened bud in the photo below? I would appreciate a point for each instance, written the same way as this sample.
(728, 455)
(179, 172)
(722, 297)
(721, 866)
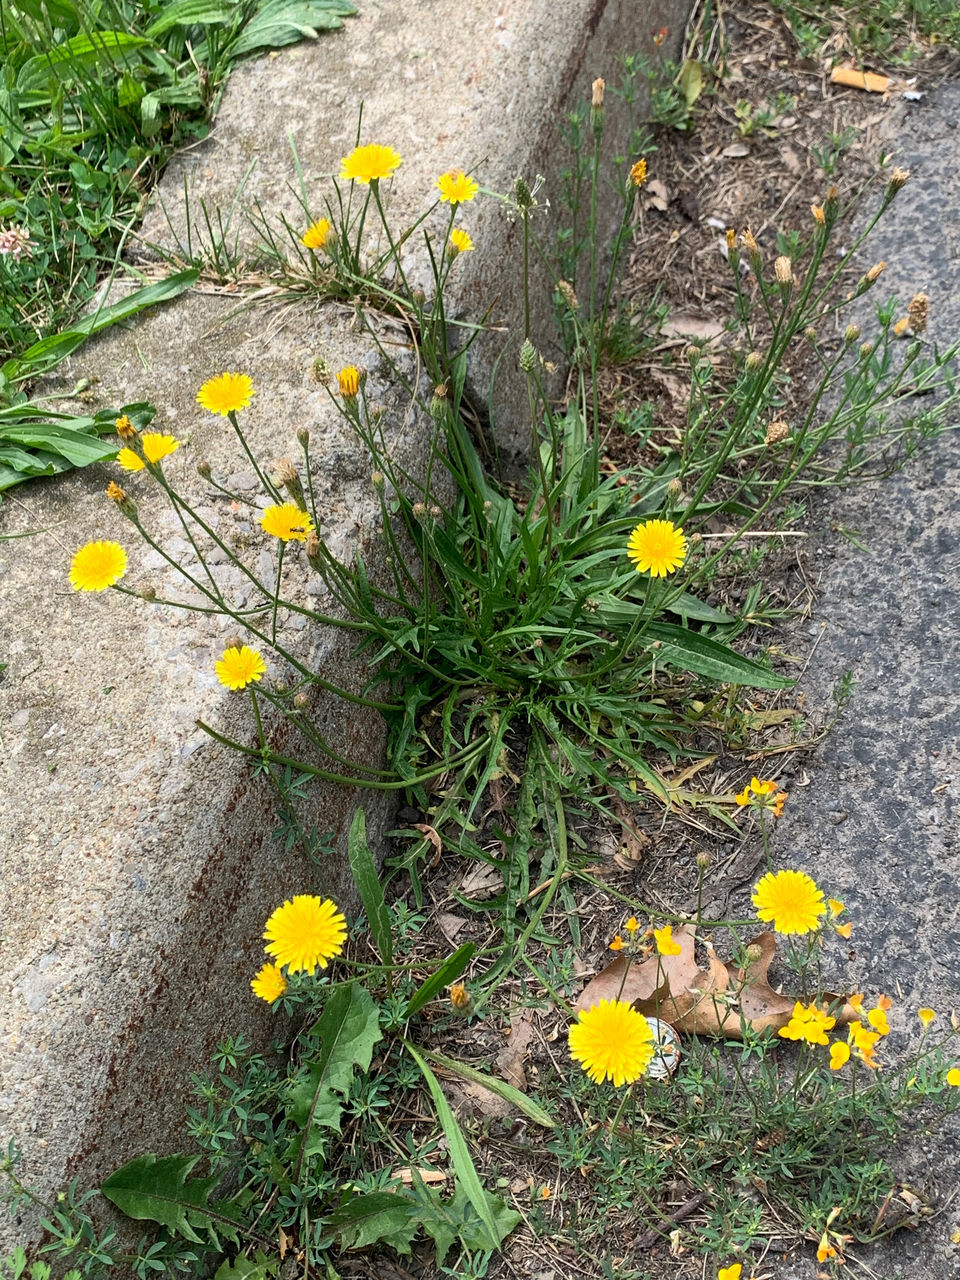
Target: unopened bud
(377, 479)
(419, 510)
(692, 354)
(203, 468)
(899, 178)
(819, 217)
(851, 334)
(704, 861)
(285, 474)
(783, 269)
(301, 700)
(596, 106)
(753, 361)
(126, 505)
(810, 334)
(675, 487)
(419, 299)
(434, 511)
(528, 356)
(876, 271)
(754, 953)
(303, 436)
(918, 311)
(460, 998)
(866, 350)
(313, 551)
(125, 428)
(149, 592)
(320, 371)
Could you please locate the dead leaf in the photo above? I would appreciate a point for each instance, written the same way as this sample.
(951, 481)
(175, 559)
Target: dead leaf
(481, 881)
(790, 160)
(716, 1001)
(450, 925)
(655, 196)
(468, 1097)
(510, 1058)
(434, 837)
(684, 324)
(284, 1243)
(736, 151)
(633, 844)
(674, 388)
(427, 1175)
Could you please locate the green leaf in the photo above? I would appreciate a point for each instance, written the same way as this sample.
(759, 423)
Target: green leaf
(347, 1030)
(158, 1189)
(189, 13)
(78, 447)
(448, 972)
(385, 1216)
(281, 22)
(368, 886)
(531, 1109)
(691, 651)
(243, 1268)
(690, 81)
(688, 606)
(463, 1164)
(107, 47)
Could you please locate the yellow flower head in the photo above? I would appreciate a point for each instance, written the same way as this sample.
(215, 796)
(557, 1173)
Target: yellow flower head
(130, 461)
(460, 997)
(825, 1249)
(926, 1016)
(455, 187)
(665, 943)
(239, 667)
(732, 1272)
(617, 944)
(808, 1022)
(855, 1000)
(269, 984)
(318, 233)
(839, 1054)
(878, 1020)
(460, 242)
(348, 381)
(227, 393)
(612, 1041)
(953, 1077)
(304, 933)
(125, 428)
(156, 446)
(657, 548)
(836, 906)
(286, 522)
(369, 164)
(863, 1042)
(98, 565)
(638, 174)
(791, 900)
(632, 925)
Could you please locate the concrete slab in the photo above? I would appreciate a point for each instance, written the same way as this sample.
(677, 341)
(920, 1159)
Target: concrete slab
(138, 866)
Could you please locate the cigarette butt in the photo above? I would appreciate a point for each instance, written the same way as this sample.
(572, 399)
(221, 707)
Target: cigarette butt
(859, 79)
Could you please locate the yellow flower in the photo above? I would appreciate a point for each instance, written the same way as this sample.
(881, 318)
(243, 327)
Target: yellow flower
(456, 187)
(130, 461)
(286, 522)
(878, 1020)
(239, 667)
(808, 1022)
(730, 1273)
(843, 930)
(612, 1041)
(304, 933)
(369, 164)
(156, 446)
(125, 428)
(545, 1193)
(348, 380)
(97, 565)
(460, 996)
(855, 1000)
(227, 393)
(657, 548)
(638, 174)
(836, 906)
(926, 1016)
(632, 925)
(665, 943)
(617, 944)
(460, 242)
(825, 1249)
(790, 899)
(839, 1054)
(269, 984)
(863, 1042)
(318, 233)
(953, 1077)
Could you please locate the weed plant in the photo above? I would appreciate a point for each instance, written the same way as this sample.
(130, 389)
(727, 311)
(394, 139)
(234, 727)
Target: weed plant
(555, 635)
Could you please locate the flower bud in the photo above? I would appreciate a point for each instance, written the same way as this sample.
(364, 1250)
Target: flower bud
(596, 106)
(704, 860)
(638, 174)
(126, 505)
(348, 382)
(753, 361)
(285, 474)
(301, 701)
(125, 428)
(313, 551)
(818, 215)
(149, 592)
(851, 334)
(899, 178)
(377, 479)
(233, 642)
(203, 468)
(675, 488)
(783, 269)
(876, 271)
(810, 334)
(866, 350)
(303, 436)
(460, 998)
(528, 356)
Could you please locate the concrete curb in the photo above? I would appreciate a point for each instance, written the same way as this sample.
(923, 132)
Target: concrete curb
(138, 862)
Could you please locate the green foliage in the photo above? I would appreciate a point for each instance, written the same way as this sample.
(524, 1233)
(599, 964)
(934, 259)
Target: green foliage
(159, 1189)
(892, 30)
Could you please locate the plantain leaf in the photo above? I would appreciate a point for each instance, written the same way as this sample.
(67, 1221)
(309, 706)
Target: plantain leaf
(386, 1216)
(691, 651)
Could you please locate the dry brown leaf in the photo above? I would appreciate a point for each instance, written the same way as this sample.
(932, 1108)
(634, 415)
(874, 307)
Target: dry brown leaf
(427, 1175)
(685, 324)
(736, 151)
(511, 1056)
(716, 1001)
(434, 837)
(655, 196)
(481, 881)
(450, 925)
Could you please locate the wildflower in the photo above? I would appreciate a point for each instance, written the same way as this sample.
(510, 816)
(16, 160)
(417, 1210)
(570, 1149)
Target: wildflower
(226, 394)
(863, 1042)
(632, 925)
(926, 1016)
(839, 1054)
(825, 1249)
(97, 565)
(901, 327)
(269, 984)
(612, 1041)
(855, 1001)
(617, 944)
(763, 794)
(369, 164)
(125, 428)
(818, 215)
(286, 522)
(658, 40)
(304, 933)
(460, 242)
(118, 495)
(460, 997)
(129, 460)
(790, 899)
(16, 242)
(665, 943)
(917, 311)
(239, 666)
(545, 1193)
(953, 1077)
(749, 242)
(808, 1022)
(657, 547)
(638, 174)
(348, 381)
(156, 446)
(320, 235)
(836, 906)
(732, 1272)
(455, 187)
(843, 930)
(878, 1020)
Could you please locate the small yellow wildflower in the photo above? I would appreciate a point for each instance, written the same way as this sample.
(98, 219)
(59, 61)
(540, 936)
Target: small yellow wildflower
(839, 1054)
(269, 984)
(460, 997)
(665, 943)
(97, 565)
(319, 234)
(953, 1077)
(455, 187)
(239, 666)
(808, 1022)
(878, 1020)
(612, 1041)
(130, 461)
(226, 394)
(304, 933)
(286, 522)
(125, 428)
(638, 174)
(369, 164)
(632, 925)
(733, 1272)
(348, 382)
(460, 242)
(657, 547)
(791, 900)
(617, 944)
(926, 1016)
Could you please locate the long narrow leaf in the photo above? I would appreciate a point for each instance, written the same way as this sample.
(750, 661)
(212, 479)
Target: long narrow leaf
(446, 974)
(368, 886)
(531, 1109)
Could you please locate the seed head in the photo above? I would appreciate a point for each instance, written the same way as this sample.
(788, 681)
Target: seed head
(301, 700)
(522, 195)
(917, 312)
(776, 432)
(528, 356)
(748, 242)
(565, 288)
